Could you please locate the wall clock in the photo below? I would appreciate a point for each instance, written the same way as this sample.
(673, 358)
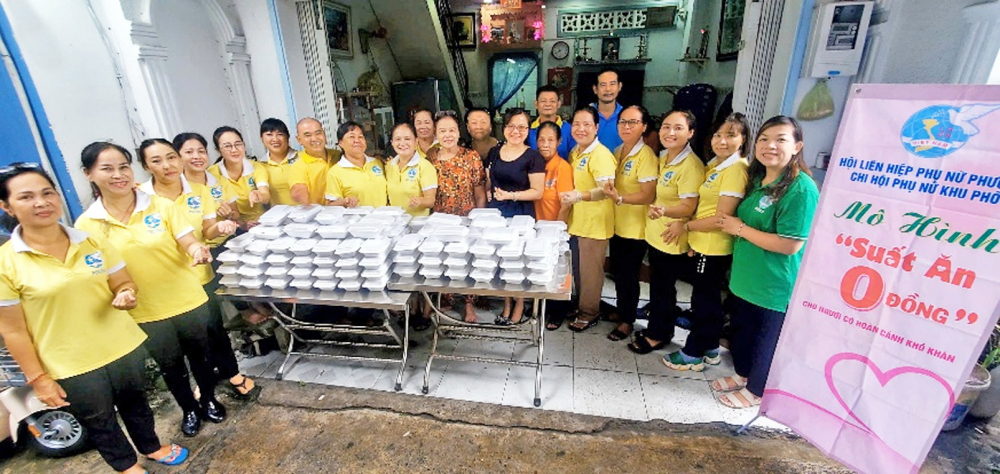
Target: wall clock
(560, 50)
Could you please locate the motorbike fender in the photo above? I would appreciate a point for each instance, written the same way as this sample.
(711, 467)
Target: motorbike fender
(20, 402)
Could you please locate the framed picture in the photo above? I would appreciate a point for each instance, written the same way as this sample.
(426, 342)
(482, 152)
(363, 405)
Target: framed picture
(730, 30)
(464, 30)
(610, 48)
(338, 29)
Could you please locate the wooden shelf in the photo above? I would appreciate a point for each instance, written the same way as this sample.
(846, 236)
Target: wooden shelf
(620, 62)
(692, 59)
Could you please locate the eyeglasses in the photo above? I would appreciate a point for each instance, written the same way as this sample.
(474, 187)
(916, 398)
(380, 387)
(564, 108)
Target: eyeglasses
(630, 123)
(517, 128)
(232, 146)
(19, 167)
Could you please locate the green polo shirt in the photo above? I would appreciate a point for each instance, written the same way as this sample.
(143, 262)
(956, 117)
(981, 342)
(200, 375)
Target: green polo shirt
(762, 277)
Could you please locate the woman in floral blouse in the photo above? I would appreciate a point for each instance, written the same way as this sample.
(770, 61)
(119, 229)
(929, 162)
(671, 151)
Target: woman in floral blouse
(461, 179)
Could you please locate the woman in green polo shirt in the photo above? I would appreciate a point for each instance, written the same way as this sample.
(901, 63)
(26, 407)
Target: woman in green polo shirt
(770, 226)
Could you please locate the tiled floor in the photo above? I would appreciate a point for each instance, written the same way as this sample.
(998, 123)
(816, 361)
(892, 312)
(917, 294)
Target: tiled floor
(582, 373)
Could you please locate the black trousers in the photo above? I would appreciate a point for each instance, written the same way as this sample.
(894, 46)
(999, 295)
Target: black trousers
(173, 339)
(626, 261)
(221, 355)
(755, 337)
(93, 397)
(664, 271)
(708, 277)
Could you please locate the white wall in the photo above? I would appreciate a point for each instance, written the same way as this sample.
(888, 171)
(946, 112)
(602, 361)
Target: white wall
(265, 68)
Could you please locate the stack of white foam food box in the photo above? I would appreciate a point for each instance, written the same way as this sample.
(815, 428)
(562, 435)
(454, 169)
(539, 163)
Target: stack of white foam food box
(315, 247)
(444, 245)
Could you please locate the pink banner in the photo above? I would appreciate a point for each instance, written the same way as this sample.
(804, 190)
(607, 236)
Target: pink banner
(899, 287)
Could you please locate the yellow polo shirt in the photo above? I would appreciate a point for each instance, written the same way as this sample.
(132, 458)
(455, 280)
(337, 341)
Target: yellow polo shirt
(679, 179)
(197, 205)
(367, 183)
(722, 178)
(148, 242)
(67, 305)
(311, 171)
(277, 178)
(638, 167)
(254, 176)
(593, 165)
(417, 176)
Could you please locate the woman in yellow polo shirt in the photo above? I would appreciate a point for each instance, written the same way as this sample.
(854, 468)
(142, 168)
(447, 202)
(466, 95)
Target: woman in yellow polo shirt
(592, 220)
(633, 192)
(425, 125)
(159, 245)
(412, 180)
(280, 157)
(357, 179)
(681, 174)
(159, 158)
(193, 150)
(711, 248)
(70, 335)
(242, 179)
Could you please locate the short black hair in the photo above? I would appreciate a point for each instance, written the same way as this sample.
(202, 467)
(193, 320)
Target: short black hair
(546, 88)
(273, 125)
(590, 110)
(552, 126)
(618, 75)
(184, 137)
(346, 128)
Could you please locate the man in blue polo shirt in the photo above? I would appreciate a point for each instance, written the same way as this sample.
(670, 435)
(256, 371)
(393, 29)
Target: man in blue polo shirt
(547, 103)
(608, 108)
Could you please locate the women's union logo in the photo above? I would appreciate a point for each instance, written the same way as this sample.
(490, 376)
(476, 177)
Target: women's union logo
(940, 130)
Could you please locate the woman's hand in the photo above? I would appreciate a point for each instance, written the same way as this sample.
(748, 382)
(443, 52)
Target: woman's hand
(673, 232)
(350, 201)
(125, 299)
(730, 224)
(414, 202)
(227, 227)
(200, 254)
(571, 197)
(227, 211)
(255, 197)
(49, 392)
(611, 192)
(501, 195)
(656, 212)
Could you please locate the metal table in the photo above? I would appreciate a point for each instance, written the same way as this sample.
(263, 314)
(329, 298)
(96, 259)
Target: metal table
(532, 331)
(382, 300)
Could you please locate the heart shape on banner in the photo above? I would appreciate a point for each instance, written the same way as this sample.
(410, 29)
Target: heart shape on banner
(883, 379)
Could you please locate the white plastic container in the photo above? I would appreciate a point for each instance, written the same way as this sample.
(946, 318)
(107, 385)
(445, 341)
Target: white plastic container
(257, 247)
(541, 265)
(334, 231)
(440, 218)
(489, 221)
(451, 233)
(229, 256)
(522, 222)
(278, 258)
(457, 261)
(539, 248)
(348, 247)
(302, 260)
(347, 262)
(278, 282)
(281, 244)
(431, 246)
(512, 250)
(482, 249)
(229, 269)
(349, 285)
(408, 243)
(327, 285)
(330, 215)
(481, 275)
(457, 248)
(432, 260)
(405, 259)
(417, 222)
(303, 214)
(431, 272)
(303, 283)
(358, 210)
(301, 230)
(512, 276)
(377, 272)
(457, 273)
(303, 246)
(324, 262)
(407, 271)
(375, 284)
(542, 279)
(239, 243)
(230, 280)
(301, 272)
(252, 260)
(324, 273)
(499, 235)
(558, 225)
(253, 283)
(374, 262)
(374, 247)
(364, 230)
(326, 248)
(390, 210)
(265, 233)
(488, 263)
(348, 273)
(484, 211)
(512, 264)
(275, 216)
(277, 270)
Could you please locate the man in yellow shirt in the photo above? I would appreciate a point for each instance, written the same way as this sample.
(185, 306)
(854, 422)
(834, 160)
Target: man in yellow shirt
(307, 176)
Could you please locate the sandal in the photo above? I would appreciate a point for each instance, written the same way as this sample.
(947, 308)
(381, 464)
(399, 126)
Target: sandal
(729, 384)
(242, 392)
(178, 454)
(502, 321)
(618, 334)
(579, 324)
(554, 322)
(740, 399)
(641, 345)
(419, 323)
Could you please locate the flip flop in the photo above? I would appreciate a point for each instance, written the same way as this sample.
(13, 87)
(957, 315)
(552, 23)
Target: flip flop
(586, 324)
(728, 384)
(243, 385)
(641, 345)
(553, 323)
(740, 399)
(178, 454)
(618, 334)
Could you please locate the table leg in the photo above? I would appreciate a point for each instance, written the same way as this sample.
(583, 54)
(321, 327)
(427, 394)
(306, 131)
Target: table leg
(291, 340)
(435, 321)
(541, 352)
(406, 345)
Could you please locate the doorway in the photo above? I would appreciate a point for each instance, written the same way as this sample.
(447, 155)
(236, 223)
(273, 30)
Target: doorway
(513, 80)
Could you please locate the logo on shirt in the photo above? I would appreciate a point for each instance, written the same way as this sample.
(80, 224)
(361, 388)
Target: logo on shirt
(216, 192)
(712, 177)
(411, 174)
(154, 222)
(194, 203)
(377, 170)
(628, 167)
(582, 163)
(764, 203)
(550, 183)
(94, 260)
(666, 177)
(252, 182)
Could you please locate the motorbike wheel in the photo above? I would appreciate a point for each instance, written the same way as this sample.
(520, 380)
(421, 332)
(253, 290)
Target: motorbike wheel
(62, 434)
